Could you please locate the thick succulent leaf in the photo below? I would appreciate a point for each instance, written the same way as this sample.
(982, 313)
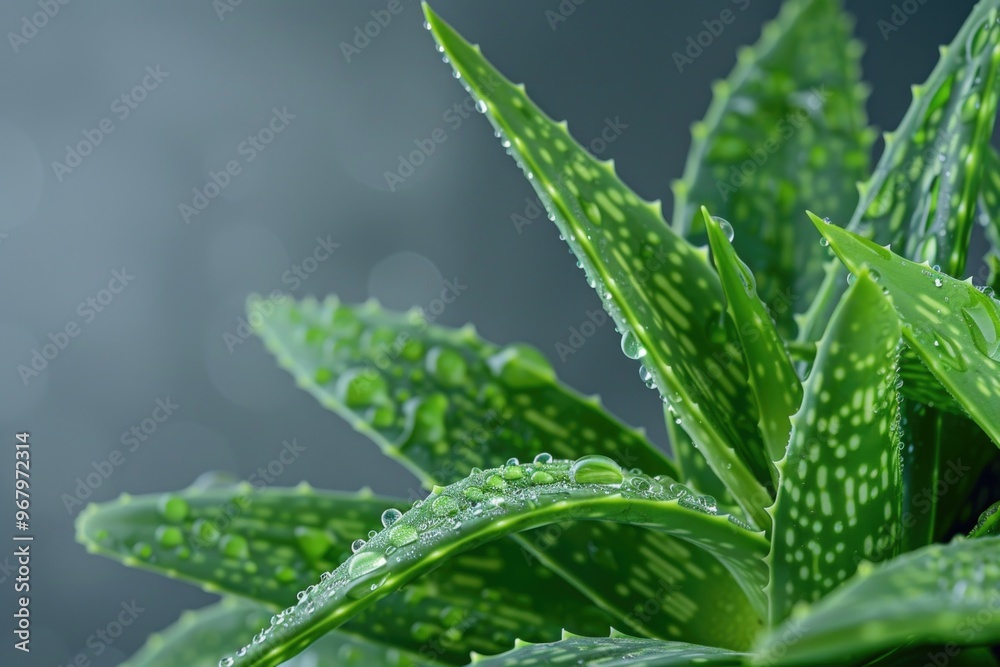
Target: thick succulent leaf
(614, 651)
(659, 289)
(945, 654)
(989, 217)
(786, 131)
(694, 469)
(953, 326)
(467, 403)
(923, 191)
(840, 480)
(939, 594)
(989, 523)
(200, 637)
(490, 504)
(267, 545)
(776, 388)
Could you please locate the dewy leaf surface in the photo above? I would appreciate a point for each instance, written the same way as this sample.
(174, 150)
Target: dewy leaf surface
(490, 504)
(614, 651)
(935, 595)
(953, 326)
(786, 131)
(922, 194)
(840, 494)
(267, 545)
(444, 402)
(776, 388)
(200, 638)
(659, 289)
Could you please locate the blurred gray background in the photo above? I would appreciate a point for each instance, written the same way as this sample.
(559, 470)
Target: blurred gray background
(221, 75)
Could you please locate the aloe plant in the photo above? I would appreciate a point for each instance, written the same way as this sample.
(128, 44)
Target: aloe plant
(833, 400)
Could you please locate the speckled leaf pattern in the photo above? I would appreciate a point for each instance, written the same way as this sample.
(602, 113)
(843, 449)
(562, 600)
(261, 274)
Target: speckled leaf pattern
(953, 326)
(267, 545)
(694, 468)
(659, 289)
(840, 492)
(200, 638)
(776, 388)
(786, 131)
(614, 651)
(921, 196)
(989, 214)
(496, 502)
(444, 402)
(935, 595)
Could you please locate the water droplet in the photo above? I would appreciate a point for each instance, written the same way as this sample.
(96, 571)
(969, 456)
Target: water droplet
(631, 346)
(938, 282)
(226, 662)
(448, 366)
(984, 325)
(495, 482)
(825, 242)
(541, 477)
(169, 536)
(542, 458)
(726, 228)
(521, 367)
(402, 534)
(595, 470)
(444, 506)
(474, 494)
(512, 461)
(481, 106)
(357, 545)
(512, 472)
(360, 388)
(640, 484)
(851, 278)
(365, 562)
(390, 516)
(647, 377)
(235, 546)
(173, 508)
(142, 550)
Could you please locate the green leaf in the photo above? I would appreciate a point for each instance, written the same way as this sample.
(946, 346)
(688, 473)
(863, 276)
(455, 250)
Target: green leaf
(953, 326)
(989, 217)
(200, 637)
(659, 289)
(914, 199)
(267, 545)
(490, 504)
(443, 401)
(786, 131)
(694, 468)
(615, 651)
(777, 390)
(939, 594)
(989, 523)
(840, 492)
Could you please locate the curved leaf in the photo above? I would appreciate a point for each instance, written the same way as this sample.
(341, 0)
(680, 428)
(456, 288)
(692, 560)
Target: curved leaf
(840, 480)
(914, 198)
(989, 523)
(267, 545)
(442, 401)
(614, 651)
(198, 638)
(939, 594)
(953, 326)
(658, 288)
(776, 388)
(496, 502)
(785, 131)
